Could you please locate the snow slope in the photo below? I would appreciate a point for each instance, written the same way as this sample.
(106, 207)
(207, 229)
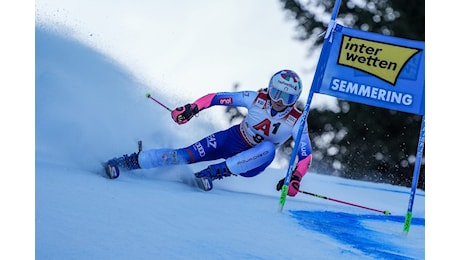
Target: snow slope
(89, 109)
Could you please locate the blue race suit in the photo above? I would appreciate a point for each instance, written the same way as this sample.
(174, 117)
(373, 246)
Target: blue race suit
(248, 147)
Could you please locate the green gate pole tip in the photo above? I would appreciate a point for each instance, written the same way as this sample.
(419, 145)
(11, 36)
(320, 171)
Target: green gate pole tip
(407, 222)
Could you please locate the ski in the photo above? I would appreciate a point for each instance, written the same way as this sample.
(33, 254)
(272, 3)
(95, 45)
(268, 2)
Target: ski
(203, 183)
(111, 171)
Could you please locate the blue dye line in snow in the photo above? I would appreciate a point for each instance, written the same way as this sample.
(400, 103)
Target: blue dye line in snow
(349, 229)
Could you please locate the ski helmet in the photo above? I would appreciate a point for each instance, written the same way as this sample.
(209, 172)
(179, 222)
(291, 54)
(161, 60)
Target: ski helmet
(285, 85)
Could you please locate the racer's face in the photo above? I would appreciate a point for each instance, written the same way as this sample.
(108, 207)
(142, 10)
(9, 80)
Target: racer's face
(277, 94)
(278, 105)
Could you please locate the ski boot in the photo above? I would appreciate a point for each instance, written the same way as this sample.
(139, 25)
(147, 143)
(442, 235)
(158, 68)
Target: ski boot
(205, 177)
(127, 162)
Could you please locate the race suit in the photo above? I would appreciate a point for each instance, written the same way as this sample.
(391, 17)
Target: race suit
(248, 147)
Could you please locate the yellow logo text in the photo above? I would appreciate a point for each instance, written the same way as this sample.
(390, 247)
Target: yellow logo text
(382, 60)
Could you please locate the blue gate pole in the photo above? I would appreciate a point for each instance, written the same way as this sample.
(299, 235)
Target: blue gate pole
(418, 163)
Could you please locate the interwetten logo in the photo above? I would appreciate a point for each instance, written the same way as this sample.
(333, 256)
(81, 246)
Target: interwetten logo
(382, 60)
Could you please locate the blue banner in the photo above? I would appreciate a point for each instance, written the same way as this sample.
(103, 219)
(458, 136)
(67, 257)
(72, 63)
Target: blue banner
(373, 69)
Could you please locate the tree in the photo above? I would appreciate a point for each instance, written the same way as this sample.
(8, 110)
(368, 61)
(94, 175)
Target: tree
(400, 18)
(361, 141)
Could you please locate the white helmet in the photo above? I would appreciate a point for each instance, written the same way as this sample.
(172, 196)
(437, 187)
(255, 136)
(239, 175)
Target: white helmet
(285, 85)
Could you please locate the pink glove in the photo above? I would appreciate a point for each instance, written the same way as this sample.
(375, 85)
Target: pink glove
(294, 184)
(182, 115)
(300, 170)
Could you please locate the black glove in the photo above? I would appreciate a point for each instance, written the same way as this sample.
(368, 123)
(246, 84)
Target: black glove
(280, 184)
(182, 115)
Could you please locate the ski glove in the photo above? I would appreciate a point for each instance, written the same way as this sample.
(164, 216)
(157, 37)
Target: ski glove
(299, 171)
(294, 184)
(182, 115)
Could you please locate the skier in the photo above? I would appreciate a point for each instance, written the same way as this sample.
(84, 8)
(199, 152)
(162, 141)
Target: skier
(248, 147)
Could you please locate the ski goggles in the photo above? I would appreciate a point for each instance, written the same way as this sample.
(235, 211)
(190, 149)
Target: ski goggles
(286, 98)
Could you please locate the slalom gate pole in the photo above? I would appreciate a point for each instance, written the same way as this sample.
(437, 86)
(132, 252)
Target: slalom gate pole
(386, 212)
(303, 118)
(161, 104)
(415, 177)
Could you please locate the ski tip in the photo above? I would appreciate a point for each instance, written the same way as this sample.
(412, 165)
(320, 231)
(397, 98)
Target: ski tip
(111, 171)
(203, 183)
(147, 95)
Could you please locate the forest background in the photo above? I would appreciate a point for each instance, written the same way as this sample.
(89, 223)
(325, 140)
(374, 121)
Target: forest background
(359, 141)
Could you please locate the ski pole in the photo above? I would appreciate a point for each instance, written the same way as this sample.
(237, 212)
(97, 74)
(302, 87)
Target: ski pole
(161, 104)
(386, 212)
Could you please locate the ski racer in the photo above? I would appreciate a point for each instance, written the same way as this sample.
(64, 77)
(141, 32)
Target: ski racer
(248, 147)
